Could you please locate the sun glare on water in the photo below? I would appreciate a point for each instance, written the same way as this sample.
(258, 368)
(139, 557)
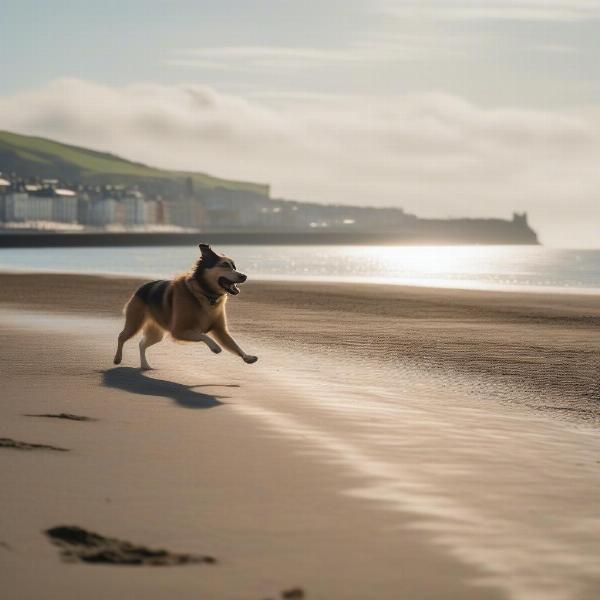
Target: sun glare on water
(438, 266)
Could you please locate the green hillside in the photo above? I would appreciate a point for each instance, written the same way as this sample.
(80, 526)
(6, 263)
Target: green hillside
(39, 157)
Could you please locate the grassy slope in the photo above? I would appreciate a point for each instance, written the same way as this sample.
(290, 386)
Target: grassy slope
(92, 164)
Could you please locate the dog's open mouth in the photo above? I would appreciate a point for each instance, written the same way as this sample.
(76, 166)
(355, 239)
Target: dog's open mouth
(229, 286)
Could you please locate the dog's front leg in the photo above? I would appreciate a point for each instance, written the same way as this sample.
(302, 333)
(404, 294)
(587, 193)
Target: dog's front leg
(230, 344)
(193, 335)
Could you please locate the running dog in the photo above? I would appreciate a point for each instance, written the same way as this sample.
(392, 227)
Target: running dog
(189, 307)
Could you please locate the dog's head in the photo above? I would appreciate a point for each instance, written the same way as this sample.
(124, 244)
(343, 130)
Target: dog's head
(218, 272)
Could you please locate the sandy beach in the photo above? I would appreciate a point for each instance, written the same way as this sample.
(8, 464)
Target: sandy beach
(391, 442)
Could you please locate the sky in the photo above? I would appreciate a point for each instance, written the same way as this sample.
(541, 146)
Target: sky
(445, 108)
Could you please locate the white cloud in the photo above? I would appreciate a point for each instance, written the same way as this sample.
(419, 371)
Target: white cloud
(522, 10)
(382, 48)
(433, 154)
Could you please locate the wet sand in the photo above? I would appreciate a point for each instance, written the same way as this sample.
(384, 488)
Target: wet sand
(545, 346)
(389, 443)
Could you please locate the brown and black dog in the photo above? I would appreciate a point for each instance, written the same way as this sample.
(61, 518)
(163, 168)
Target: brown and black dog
(189, 307)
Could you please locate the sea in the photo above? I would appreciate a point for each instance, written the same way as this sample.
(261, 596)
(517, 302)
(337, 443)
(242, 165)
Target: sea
(510, 268)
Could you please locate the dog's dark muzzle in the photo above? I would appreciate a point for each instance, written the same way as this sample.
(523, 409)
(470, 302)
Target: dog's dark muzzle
(230, 286)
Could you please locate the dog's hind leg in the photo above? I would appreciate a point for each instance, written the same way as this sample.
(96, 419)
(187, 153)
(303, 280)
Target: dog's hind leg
(152, 335)
(135, 315)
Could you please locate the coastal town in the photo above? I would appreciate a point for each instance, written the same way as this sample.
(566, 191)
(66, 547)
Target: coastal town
(43, 204)
(47, 186)
(37, 203)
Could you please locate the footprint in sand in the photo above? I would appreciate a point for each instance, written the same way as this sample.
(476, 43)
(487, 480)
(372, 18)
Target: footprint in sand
(17, 445)
(78, 544)
(66, 416)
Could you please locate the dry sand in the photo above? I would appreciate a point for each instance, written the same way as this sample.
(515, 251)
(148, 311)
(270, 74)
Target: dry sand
(390, 443)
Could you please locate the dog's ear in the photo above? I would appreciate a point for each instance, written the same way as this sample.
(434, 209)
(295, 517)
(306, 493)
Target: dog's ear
(208, 256)
(206, 250)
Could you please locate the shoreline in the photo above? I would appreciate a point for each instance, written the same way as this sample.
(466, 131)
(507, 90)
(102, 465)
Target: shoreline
(371, 452)
(398, 283)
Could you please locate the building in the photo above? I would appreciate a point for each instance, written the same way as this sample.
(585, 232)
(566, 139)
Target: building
(20, 207)
(4, 189)
(36, 203)
(224, 208)
(83, 209)
(102, 212)
(64, 206)
(185, 212)
(154, 212)
(134, 209)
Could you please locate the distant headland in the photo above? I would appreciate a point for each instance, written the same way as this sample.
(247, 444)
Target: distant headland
(54, 194)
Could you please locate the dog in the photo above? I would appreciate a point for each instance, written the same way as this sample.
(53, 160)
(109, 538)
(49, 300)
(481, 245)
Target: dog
(188, 307)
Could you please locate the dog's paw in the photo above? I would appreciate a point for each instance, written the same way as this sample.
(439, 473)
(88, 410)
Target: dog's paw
(250, 359)
(216, 349)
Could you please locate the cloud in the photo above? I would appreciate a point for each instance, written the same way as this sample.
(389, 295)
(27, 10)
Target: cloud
(433, 154)
(267, 55)
(520, 10)
(383, 48)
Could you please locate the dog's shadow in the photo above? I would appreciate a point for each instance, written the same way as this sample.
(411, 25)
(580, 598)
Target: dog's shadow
(134, 381)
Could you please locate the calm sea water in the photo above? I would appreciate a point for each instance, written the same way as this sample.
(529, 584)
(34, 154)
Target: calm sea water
(479, 267)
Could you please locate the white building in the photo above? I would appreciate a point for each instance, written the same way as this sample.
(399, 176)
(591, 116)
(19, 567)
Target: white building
(4, 187)
(64, 206)
(151, 212)
(20, 206)
(59, 206)
(134, 210)
(103, 212)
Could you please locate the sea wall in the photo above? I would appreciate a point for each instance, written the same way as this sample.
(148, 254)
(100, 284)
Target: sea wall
(429, 234)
